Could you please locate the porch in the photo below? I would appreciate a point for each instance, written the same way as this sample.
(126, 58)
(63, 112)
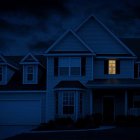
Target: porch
(112, 98)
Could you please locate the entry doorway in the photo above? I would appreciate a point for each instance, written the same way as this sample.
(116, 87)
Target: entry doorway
(108, 109)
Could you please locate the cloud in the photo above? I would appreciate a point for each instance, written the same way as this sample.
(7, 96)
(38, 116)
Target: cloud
(39, 8)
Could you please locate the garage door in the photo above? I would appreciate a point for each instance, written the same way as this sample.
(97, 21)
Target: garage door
(20, 112)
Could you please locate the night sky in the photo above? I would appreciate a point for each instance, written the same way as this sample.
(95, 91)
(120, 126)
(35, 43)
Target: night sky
(29, 25)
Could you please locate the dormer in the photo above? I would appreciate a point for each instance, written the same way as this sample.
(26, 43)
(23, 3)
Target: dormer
(30, 69)
(6, 70)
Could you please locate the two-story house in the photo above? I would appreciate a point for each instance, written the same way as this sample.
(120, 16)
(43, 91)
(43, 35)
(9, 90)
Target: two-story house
(86, 71)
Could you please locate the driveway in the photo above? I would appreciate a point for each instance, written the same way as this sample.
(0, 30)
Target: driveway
(9, 131)
(107, 134)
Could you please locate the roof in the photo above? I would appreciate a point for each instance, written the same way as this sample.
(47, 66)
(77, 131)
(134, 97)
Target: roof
(70, 84)
(69, 42)
(15, 60)
(15, 83)
(113, 83)
(100, 39)
(133, 44)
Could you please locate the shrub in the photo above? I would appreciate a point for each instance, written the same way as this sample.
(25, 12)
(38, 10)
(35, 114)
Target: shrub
(129, 120)
(89, 121)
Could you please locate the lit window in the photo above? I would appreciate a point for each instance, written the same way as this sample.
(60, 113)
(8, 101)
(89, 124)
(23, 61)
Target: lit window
(112, 66)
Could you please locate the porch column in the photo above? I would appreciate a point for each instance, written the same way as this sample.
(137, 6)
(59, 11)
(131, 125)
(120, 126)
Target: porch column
(76, 104)
(126, 103)
(91, 102)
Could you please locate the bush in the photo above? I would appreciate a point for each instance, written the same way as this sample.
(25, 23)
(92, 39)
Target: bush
(64, 122)
(90, 121)
(129, 120)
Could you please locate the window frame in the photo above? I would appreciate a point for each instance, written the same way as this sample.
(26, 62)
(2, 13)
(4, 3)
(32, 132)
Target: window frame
(27, 72)
(30, 73)
(113, 68)
(70, 66)
(68, 102)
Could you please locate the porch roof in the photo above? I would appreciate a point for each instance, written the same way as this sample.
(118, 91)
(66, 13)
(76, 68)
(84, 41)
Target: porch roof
(70, 84)
(114, 83)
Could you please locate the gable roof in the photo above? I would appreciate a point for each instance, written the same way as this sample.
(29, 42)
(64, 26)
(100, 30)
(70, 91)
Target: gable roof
(3, 61)
(29, 58)
(69, 42)
(100, 39)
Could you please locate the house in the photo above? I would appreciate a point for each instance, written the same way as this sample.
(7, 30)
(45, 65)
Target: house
(86, 71)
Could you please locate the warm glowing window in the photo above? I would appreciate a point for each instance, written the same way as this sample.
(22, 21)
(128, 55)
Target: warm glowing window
(112, 66)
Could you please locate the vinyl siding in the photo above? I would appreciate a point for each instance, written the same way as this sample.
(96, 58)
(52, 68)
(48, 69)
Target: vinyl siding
(126, 70)
(52, 81)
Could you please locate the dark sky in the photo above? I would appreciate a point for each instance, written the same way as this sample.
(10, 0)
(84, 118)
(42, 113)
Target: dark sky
(29, 25)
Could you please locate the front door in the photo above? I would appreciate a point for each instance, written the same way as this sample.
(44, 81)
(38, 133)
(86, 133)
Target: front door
(108, 109)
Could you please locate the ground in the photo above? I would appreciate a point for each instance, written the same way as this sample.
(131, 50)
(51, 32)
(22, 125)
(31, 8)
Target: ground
(120, 133)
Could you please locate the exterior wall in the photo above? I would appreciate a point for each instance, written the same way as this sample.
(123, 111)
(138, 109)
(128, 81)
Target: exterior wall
(126, 69)
(52, 81)
(20, 108)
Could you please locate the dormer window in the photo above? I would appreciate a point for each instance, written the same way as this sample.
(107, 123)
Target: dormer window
(30, 73)
(30, 69)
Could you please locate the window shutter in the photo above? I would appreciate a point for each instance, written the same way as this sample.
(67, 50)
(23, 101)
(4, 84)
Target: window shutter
(117, 66)
(83, 66)
(105, 66)
(136, 71)
(55, 66)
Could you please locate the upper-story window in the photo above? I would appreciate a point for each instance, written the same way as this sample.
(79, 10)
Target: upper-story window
(112, 67)
(1, 73)
(69, 66)
(30, 73)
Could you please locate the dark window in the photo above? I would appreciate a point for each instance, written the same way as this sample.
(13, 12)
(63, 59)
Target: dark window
(83, 66)
(75, 71)
(56, 66)
(30, 73)
(29, 77)
(63, 71)
(68, 110)
(68, 102)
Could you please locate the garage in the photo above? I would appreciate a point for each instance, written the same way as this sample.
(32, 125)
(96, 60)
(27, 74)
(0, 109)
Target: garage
(20, 108)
